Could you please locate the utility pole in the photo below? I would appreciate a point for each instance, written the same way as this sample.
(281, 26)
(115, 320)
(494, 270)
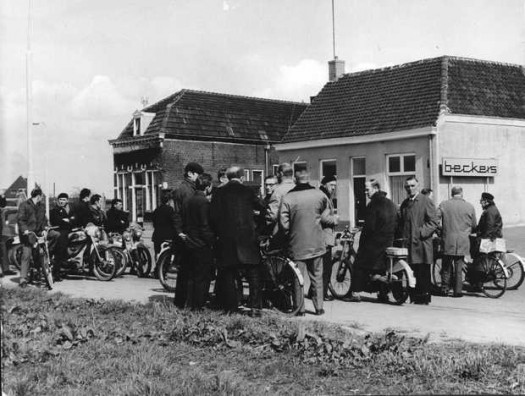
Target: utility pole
(29, 103)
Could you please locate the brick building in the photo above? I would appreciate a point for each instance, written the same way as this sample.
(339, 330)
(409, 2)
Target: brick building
(215, 130)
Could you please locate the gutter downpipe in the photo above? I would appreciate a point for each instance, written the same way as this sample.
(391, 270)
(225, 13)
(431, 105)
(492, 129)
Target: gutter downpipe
(434, 160)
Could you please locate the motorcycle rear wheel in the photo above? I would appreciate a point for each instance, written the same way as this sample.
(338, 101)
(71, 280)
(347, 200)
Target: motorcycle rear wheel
(14, 255)
(122, 261)
(104, 268)
(399, 288)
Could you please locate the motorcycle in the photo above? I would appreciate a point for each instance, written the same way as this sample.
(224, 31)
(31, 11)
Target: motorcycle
(87, 254)
(131, 251)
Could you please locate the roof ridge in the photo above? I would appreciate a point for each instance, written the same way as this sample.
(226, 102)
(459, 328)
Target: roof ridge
(428, 60)
(243, 97)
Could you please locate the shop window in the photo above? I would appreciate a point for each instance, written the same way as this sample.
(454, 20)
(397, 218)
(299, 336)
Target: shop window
(399, 167)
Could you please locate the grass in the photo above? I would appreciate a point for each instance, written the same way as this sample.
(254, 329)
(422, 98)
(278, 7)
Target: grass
(52, 344)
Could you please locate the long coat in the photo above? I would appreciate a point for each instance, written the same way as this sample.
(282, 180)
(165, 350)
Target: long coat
(304, 211)
(197, 222)
(232, 218)
(458, 221)
(418, 221)
(490, 223)
(163, 223)
(181, 195)
(378, 232)
(31, 217)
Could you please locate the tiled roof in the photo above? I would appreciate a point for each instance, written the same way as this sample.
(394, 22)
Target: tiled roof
(201, 115)
(410, 96)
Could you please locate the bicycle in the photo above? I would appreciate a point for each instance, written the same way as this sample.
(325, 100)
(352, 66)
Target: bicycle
(40, 255)
(396, 282)
(495, 273)
(168, 265)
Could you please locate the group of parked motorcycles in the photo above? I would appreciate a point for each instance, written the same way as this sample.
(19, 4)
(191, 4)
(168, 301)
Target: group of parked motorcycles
(91, 252)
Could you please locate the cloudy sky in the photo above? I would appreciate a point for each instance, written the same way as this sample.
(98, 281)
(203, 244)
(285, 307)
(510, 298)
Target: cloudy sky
(93, 60)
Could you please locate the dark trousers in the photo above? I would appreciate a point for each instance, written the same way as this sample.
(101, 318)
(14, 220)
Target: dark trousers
(199, 271)
(181, 287)
(421, 293)
(3, 254)
(327, 269)
(228, 287)
(60, 249)
(452, 274)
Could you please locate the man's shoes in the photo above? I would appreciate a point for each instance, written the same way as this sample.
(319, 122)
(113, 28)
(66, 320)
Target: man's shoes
(300, 314)
(23, 284)
(329, 297)
(319, 312)
(352, 298)
(383, 297)
(255, 313)
(457, 295)
(444, 293)
(9, 272)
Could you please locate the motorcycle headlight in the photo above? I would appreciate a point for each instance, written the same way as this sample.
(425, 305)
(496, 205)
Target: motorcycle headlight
(93, 231)
(137, 235)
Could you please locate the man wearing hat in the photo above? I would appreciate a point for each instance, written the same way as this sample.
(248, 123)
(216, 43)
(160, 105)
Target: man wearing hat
(458, 221)
(182, 193)
(328, 186)
(61, 216)
(489, 227)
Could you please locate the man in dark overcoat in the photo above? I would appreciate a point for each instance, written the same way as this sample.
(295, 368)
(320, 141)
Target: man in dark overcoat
(118, 219)
(182, 193)
(377, 234)
(232, 216)
(199, 241)
(458, 221)
(418, 221)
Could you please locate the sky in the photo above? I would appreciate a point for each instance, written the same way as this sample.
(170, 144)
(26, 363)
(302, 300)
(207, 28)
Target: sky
(93, 60)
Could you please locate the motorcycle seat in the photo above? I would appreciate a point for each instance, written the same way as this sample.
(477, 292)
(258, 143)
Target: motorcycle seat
(396, 252)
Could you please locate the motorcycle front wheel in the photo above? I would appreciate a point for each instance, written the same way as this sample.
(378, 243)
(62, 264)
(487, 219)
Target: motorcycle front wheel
(105, 267)
(122, 261)
(142, 261)
(14, 255)
(168, 267)
(341, 278)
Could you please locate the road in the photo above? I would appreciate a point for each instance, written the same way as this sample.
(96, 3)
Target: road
(472, 318)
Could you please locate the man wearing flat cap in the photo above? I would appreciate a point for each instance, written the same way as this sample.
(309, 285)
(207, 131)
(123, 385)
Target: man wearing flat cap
(182, 193)
(490, 226)
(61, 216)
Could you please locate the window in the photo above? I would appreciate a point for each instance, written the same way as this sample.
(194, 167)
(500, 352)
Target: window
(247, 175)
(136, 126)
(275, 168)
(399, 167)
(329, 168)
(299, 166)
(358, 184)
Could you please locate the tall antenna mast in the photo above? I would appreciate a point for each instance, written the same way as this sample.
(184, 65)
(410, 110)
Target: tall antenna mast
(333, 28)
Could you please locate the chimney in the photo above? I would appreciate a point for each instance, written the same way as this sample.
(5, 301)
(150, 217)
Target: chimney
(336, 68)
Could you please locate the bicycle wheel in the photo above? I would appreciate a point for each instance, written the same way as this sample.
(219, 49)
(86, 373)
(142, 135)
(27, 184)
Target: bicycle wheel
(399, 288)
(168, 268)
(284, 292)
(105, 267)
(341, 277)
(14, 255)
(122, 261)
(514, 265)
(494, 279)
(142, 261)
(45, 265)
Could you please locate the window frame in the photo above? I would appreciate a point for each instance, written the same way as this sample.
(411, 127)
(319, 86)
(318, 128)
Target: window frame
(402, 171)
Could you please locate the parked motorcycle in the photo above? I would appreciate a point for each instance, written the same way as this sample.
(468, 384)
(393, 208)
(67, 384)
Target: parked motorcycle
(131, 251)
(86, 254)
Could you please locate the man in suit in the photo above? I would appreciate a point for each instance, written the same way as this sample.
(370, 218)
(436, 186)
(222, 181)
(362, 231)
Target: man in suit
(199, 241)
(182, 193)
(458, 221)
(232, 216)
(418, 221)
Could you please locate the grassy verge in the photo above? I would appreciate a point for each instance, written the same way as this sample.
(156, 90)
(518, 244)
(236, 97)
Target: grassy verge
(52, 344)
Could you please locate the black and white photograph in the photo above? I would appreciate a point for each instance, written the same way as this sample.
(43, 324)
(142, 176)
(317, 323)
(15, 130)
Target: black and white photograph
(259, 197)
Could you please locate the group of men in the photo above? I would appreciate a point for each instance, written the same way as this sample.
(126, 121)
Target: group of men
(32, 220)
(220, 226)
(416, 224)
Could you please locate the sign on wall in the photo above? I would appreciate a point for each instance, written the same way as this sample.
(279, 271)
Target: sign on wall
(476, 167)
